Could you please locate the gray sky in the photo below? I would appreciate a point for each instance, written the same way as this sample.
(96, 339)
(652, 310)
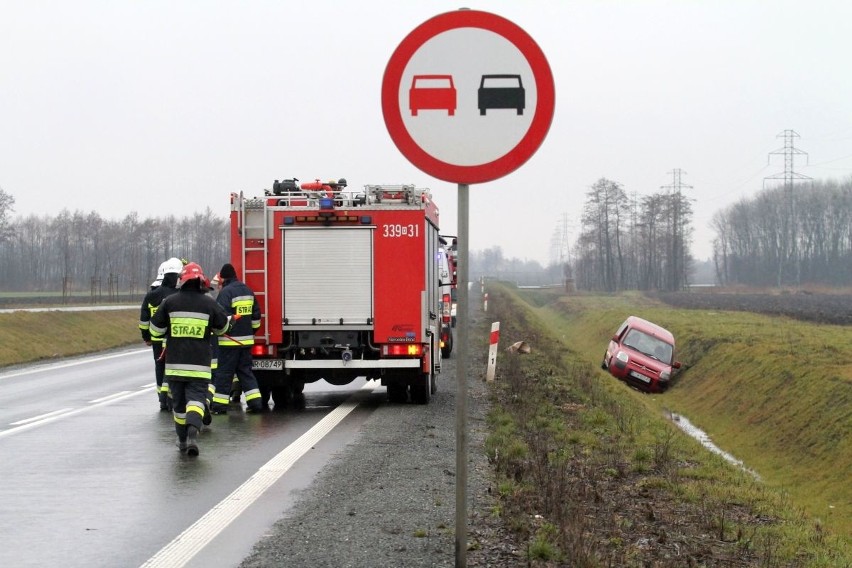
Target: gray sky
(165, 107)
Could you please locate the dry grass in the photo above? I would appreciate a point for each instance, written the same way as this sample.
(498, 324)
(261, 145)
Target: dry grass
(38, 336)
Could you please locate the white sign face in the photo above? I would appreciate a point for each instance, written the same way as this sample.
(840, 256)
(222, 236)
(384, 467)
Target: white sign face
(469, 58)
(468, 96)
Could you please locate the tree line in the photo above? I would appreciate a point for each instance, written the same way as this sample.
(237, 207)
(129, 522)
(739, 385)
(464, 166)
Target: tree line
(782, 236)
(632, 242)
(83, 253)
(788, 235)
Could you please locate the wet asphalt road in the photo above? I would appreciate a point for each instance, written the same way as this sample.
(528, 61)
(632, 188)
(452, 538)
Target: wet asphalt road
(91, 475)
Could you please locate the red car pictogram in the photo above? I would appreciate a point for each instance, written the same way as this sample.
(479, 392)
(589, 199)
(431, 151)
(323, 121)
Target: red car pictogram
(432, 92)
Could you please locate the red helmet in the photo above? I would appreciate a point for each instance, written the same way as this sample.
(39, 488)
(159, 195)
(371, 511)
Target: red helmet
(191, 272)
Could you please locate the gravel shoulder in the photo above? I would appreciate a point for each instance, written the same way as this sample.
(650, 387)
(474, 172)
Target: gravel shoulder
(388, 499)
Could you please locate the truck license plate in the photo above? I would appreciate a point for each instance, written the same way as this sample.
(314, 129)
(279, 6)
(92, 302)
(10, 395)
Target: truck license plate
(267, 364)
(642, 378)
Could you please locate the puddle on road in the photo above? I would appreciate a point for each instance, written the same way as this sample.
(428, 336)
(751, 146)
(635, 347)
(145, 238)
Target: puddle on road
(684, 424)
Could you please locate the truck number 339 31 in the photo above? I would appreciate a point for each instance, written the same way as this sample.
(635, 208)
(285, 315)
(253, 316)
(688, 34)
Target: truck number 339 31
(398, 230)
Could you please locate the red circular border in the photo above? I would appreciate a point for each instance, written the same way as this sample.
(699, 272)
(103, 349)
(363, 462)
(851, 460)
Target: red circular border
(545, 94)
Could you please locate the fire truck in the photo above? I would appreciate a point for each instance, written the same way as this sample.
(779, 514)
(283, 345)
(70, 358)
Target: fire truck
(349, 284)
(448, 276)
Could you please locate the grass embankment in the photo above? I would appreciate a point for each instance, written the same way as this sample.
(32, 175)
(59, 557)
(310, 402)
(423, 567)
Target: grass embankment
(614, 482)
(37, 336)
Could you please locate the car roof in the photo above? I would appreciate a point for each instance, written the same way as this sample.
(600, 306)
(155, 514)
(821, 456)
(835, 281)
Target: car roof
(650, 328)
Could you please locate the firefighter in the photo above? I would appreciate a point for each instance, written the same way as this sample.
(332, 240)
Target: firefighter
(167, 275)
(235, 348)
(236, 390)
(187, 320)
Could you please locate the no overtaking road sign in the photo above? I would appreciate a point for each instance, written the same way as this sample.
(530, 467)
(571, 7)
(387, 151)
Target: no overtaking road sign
(468, 96)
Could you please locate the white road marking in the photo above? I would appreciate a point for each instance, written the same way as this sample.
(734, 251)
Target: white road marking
(187, 544)
(41, 417)
(109, 397)
(46, 419)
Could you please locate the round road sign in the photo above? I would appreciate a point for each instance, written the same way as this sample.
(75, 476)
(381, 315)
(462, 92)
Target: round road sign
(468, 96)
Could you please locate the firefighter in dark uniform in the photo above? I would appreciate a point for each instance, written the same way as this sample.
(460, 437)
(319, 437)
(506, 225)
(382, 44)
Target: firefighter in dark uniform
(186, 320)
(167, 276)
(235, 348)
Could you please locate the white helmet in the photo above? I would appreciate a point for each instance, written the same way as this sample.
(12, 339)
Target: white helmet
(171, 266)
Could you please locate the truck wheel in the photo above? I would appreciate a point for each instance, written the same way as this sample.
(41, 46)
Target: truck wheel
(421, 389)
(397, 392)
(297, 394)
(281, 395)
(447, 349)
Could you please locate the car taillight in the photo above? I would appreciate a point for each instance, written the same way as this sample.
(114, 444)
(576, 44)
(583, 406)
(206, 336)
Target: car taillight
(402, 350)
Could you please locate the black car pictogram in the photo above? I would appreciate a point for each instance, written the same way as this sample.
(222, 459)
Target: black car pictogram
(501, 91)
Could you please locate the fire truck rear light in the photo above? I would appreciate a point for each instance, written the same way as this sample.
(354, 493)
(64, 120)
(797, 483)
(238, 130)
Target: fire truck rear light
(289, 220)
(257, 350)
(326, 203)
(402, 350)
(366, 220)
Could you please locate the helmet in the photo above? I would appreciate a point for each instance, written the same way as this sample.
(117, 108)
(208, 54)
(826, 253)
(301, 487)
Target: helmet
(171, 266)
(192, 272)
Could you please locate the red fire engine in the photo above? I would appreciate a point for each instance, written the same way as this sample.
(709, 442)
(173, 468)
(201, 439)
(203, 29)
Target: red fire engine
(349, 285)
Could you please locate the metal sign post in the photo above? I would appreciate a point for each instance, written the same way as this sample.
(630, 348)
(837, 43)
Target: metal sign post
(461, 376)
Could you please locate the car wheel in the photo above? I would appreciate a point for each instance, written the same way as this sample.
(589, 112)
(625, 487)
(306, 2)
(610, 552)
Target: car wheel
(603, 362)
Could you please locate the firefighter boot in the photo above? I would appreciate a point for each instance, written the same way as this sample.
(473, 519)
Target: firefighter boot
(181, 444)
(236, 391)
(207, 418)
(191, 441)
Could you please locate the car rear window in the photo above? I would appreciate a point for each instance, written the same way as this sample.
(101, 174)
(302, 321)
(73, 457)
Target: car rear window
(432, 83)
(500, 82)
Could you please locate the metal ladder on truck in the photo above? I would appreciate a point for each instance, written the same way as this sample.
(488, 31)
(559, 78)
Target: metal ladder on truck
(254, 222)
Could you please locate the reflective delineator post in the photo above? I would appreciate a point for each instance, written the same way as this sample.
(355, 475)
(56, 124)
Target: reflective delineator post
(492, 351)
(485, 302)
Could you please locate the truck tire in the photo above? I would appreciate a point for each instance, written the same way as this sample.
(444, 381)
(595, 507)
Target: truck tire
(421, 389)
(447, 349)
(397, 392)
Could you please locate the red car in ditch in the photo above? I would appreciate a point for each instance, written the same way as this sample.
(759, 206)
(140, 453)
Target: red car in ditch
(641, 353)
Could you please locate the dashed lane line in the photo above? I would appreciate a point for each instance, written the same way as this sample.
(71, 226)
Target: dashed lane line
(30, 423)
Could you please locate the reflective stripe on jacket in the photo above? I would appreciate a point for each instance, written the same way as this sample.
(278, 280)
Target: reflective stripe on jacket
(238, 299)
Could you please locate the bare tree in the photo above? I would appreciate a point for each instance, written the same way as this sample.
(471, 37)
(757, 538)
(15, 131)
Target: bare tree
(7, 206)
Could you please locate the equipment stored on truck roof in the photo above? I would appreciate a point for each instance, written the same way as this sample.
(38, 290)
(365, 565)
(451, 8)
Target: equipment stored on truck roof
(349, 284)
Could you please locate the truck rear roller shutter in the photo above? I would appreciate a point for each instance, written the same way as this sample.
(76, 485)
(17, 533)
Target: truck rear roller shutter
(328, 277)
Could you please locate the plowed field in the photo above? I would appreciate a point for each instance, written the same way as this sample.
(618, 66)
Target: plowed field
(822, 308)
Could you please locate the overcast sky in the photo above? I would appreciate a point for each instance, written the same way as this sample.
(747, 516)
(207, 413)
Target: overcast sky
(166, 107)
